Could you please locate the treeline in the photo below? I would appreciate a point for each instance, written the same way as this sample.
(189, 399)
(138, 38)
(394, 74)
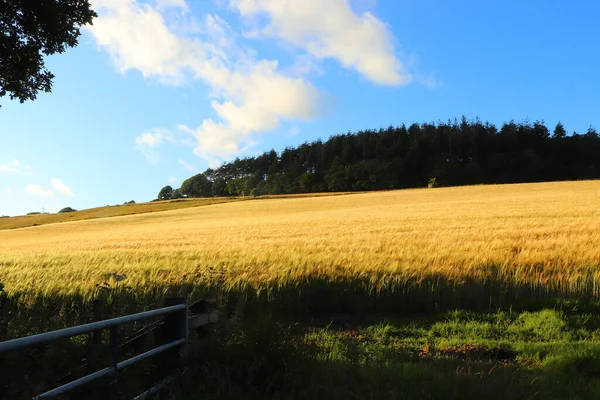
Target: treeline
(453, 153)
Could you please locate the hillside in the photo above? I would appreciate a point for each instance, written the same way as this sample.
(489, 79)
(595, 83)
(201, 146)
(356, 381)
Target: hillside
(104, 212)
(543, 234)
(477, 289)
(32, 220)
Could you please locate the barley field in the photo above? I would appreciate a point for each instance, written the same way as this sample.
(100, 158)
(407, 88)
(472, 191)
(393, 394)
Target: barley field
(36, 219)
(541, 238)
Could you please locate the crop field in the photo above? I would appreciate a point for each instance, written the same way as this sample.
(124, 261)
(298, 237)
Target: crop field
(469, 291)
(37, 219)
(525, 238)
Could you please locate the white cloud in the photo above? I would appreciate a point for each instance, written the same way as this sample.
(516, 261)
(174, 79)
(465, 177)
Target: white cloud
(164, 4)
(429, 81)
(9, 190)
(251, 96)
(137, 37)
(258, 99)
(38, 190)
(294, 130)
(152, 156)
(14, 166)
(330, 29)
(306, 65)
(59, 186)
(172, 179)
(363, 5)
(188, 167)
(148, 141)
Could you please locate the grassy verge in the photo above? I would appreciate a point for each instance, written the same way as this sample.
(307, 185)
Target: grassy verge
(548, 354)
(264, 351)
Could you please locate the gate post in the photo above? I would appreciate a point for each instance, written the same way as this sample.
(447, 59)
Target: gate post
(176, 326)
(114, 360)
(4, 310)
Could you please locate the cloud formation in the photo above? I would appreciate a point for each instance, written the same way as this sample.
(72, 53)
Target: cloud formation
(147, 143)
(14, 166)
(257, 100)
(38, 190)
(151, 139)
(60, 187)
(330, 29)
(250, 96)
(165, 4)
(137, 37)
(189, 167)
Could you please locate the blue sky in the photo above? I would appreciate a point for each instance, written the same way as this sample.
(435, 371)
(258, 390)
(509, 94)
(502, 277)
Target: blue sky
(159, 90)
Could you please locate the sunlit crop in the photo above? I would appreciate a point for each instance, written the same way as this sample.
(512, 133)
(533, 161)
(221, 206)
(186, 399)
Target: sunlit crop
(543, 236)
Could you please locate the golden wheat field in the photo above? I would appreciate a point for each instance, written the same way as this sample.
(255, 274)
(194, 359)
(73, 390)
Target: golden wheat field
(108, 211)
(539, 234)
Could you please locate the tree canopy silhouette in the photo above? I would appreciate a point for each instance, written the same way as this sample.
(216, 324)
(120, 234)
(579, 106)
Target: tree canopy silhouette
(165, 193)
(30, 30)
(458, 152)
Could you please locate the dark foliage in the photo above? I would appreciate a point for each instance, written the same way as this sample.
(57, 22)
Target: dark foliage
(165, 193)
(67, 210)
(196, 186)
(176, 194)
(443, 154)
(30, 30)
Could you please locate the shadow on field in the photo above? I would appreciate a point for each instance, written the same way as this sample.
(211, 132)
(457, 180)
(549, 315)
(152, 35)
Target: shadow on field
(258, 359)
(431, 293)
(268, 361)
(261, 378)
(487, 288)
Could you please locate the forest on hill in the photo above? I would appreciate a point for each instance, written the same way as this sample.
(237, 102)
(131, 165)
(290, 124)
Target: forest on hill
(441, 154)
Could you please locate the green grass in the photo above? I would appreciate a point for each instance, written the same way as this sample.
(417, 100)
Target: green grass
(258, 354)
(552, 354)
